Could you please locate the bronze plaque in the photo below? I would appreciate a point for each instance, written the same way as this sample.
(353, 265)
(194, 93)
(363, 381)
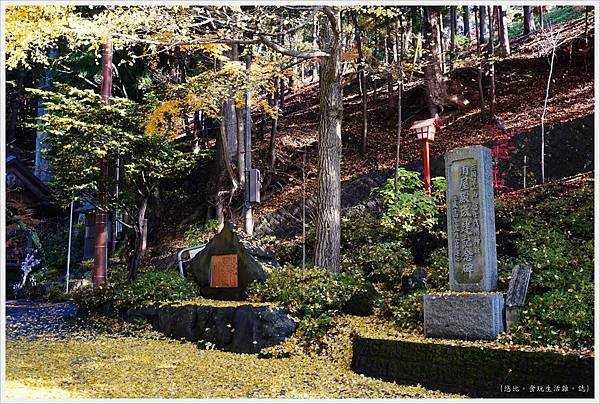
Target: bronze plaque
(223, 271)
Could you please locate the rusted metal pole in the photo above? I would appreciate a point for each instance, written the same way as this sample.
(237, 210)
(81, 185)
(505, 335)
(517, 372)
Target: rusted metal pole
(101, 244)
(426, 169)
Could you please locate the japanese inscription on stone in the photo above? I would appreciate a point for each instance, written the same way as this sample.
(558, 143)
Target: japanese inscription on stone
(224, 271)
(471, 227)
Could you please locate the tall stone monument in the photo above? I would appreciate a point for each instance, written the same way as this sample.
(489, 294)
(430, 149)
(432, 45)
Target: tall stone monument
(472, 309)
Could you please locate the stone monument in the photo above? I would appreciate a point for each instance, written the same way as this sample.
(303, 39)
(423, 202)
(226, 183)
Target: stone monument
(472, 309)
(228, 264)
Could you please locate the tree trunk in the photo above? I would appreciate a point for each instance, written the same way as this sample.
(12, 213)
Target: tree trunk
(362, 83)
(15, 105)
(407, 35)
(389, 56)
(441, 43)
(466, 23)
(492, 67)
(475, 14)
(398, 60)
(229, 116)
(452, 36)
(434, 78)
(541, 9)
(528, 24)
(452, 29)
(276, 99)
(197, 130)
(482, 25)
(490, 15)
(140, 228)
(328, 230)
(479, 69)
(315, 30)
(504, 40)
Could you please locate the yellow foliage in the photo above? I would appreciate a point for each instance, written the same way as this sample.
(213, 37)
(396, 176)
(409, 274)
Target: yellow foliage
(166, 120)
(132, 367)
(32, 30)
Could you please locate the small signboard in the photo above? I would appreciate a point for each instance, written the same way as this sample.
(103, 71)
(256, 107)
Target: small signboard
(224, 271)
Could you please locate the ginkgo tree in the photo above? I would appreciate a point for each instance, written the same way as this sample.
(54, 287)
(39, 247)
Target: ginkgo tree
(82, 129)
(160, 29)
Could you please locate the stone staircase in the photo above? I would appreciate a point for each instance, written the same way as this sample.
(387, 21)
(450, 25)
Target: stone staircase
(286, 223)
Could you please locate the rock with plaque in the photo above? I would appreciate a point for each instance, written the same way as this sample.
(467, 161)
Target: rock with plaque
(471, 252)
(229, 264)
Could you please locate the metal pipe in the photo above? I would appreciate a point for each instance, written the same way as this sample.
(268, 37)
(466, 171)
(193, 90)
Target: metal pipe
(180, 261)
(69, 247)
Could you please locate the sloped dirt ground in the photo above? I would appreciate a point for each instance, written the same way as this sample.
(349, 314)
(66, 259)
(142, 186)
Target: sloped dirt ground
(521, 82)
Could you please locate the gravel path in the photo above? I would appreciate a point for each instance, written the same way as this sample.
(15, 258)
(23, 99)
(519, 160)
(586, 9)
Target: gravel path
(25, 318)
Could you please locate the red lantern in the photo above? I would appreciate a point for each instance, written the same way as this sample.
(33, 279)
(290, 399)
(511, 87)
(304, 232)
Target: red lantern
(425, 131)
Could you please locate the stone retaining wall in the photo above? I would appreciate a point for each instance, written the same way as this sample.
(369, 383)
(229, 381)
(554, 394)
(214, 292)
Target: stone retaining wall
(474, 371)
(242, 329)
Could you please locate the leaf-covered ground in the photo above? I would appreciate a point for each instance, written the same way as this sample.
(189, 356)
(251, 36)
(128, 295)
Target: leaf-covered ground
(128, 367)
(109, 359)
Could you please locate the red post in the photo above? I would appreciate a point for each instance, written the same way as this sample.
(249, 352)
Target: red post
(426, 169)
(101, 244)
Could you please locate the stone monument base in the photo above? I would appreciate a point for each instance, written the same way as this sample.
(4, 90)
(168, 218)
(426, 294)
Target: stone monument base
(469, 316)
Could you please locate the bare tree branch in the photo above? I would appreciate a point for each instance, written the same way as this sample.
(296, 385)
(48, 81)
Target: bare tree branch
(292, 53)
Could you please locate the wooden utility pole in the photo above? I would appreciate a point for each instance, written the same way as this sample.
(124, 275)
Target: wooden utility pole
(101, 243)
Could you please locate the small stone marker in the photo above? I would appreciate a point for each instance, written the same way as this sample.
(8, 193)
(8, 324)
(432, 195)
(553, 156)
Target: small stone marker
(471, 223)
(517, 292)
(224, 271)
(517, 288)
(471, 253)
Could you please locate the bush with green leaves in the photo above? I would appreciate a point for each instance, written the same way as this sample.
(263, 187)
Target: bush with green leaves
(195, 235)
(556, 318)
(410, 209)
(314, 294)
(405, 309)
(91, 300)
(150, 288)
(551, 229)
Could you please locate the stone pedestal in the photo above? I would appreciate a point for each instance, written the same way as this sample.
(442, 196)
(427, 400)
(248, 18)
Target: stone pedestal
(469, 316)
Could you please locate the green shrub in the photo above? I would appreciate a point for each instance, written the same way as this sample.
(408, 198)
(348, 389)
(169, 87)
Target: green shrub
(287, 252)
(56, 293)
(437, 277)
(551, 230)
(195, 235)
(153, 288)
(314, 294)
(410, 209)
(91, 300)
(389, 263)
(405, 309)
(148, 289)
(562, 318)
(54, 235)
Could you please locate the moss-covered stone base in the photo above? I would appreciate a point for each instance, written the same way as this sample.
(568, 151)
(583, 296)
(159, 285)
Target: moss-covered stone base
(476, 372)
